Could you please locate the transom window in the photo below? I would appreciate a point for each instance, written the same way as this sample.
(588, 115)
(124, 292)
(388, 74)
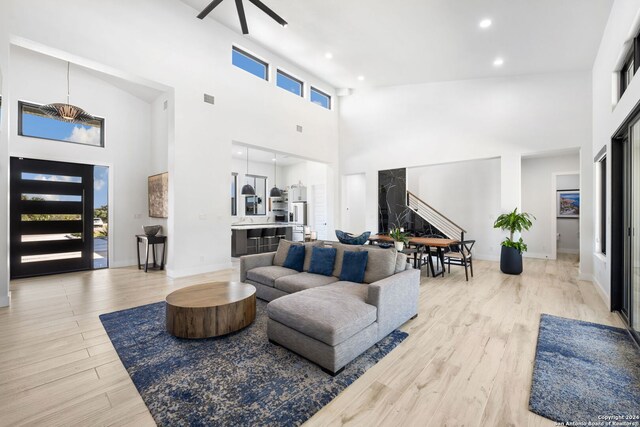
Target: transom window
(289, 83)
(320, 98)
(249, 63)
(630, 65)
(34, 123)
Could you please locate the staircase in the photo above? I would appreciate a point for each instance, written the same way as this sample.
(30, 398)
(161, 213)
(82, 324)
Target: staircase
(436, 223)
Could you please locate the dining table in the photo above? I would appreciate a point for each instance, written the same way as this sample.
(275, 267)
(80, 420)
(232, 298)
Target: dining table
(439, 243)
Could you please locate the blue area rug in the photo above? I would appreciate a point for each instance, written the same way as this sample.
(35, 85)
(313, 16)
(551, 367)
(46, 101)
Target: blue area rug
(239, 380)
(585, 372)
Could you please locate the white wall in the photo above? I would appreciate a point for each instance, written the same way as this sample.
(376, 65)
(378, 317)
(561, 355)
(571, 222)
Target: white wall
(437, 123)
(568, 229)
(41, 79)
(606, 117)
(161, 41)
(4, 169)
(539, 199)
(468, 193)
(159, 155)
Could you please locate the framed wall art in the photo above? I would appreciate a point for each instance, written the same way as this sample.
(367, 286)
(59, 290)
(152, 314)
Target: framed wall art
(159, 195)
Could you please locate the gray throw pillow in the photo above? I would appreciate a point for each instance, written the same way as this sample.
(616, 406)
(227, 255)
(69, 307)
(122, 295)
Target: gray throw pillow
(381, 263)
(340, 250)
(401, 262)
(283, 251)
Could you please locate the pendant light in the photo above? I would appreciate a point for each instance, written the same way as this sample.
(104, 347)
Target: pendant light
(275, 191)
(67, 112)
(247, 189)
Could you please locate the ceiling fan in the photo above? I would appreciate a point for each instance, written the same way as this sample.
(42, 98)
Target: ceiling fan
(243, 19)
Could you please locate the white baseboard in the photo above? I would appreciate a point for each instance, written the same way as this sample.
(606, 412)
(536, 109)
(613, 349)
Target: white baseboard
(568, 251)
(5, 300)
(537, 255)
(486, 257)
(123, 263)
(606, 298)
(200, 269)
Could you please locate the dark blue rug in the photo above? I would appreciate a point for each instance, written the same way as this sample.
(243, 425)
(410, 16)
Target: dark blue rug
(585, 372)
(239, 380)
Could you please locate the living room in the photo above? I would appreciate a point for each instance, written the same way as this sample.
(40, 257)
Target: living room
(486, 106)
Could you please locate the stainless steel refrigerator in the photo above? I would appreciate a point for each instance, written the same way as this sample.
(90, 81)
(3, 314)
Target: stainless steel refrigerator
(298, 217)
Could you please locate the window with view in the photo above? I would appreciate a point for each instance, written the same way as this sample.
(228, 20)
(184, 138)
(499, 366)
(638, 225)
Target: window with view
(631, 65)
(256, 205)
(320, 98)
(289, 83)
(234, 192)
(249, 63)
(34, 123)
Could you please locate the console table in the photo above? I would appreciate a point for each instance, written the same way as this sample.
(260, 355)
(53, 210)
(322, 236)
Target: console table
(150, 242)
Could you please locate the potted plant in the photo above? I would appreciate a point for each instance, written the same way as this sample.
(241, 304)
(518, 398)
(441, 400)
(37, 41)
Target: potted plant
(511, 253)
(400, 238)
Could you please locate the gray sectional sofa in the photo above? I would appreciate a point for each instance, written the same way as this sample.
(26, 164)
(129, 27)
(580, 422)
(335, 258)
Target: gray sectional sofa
(329, 321)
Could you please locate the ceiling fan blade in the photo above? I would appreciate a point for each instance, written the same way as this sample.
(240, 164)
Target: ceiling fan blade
(243, 18)
(269, 12)
(207, 10)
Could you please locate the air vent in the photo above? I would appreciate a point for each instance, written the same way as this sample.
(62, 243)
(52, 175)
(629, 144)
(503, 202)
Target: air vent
(299, 128)
(209, 99)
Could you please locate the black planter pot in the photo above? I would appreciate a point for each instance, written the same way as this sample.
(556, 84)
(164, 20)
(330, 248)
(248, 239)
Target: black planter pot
(510, 261)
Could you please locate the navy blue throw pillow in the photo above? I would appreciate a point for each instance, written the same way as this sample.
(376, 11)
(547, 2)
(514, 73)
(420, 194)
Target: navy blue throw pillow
(322, 260)
(295, 258)
(353, 266)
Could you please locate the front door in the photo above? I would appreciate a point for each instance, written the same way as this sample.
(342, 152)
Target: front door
(51, 217)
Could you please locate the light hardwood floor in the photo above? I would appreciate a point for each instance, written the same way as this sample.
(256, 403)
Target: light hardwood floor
(468, 359)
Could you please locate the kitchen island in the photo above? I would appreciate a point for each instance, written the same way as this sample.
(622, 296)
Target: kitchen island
(240, 244)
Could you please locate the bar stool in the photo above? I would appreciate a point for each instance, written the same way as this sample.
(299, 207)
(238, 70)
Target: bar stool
(281, 233)
(269, 233)
(255, 234)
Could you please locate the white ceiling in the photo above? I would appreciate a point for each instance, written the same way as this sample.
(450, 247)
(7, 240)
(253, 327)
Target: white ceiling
(415, 41)
(256, 155)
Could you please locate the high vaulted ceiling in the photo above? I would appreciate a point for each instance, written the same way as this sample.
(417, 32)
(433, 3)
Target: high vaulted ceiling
(414, 41)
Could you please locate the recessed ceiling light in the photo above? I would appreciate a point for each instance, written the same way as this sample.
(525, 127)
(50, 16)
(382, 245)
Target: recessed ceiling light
(328, 55)
(361, 78)
(273, 160)
(239, 152)
(498, 62)
(485, 23)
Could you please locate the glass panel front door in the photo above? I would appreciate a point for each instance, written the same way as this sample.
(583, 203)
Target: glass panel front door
(51, 216)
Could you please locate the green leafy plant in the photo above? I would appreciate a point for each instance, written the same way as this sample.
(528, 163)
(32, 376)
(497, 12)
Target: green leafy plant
(399, 236)
(514, 222)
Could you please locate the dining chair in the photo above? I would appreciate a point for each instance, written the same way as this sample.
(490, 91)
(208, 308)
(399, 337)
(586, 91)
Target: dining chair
(460, 254)
(434, 251)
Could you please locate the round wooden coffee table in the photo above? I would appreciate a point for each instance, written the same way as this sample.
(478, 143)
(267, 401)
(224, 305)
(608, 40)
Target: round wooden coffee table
(210, 309)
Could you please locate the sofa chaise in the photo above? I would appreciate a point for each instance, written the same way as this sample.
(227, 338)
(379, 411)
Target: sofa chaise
(324, 319)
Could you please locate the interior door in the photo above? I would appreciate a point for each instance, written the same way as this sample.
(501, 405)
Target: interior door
(320, 210)
(51, 217)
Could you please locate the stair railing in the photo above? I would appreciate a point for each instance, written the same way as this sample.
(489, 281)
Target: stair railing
(435, 218)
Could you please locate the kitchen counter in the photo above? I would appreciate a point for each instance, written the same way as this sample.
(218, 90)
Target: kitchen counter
(257, 225)
(240, 244)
